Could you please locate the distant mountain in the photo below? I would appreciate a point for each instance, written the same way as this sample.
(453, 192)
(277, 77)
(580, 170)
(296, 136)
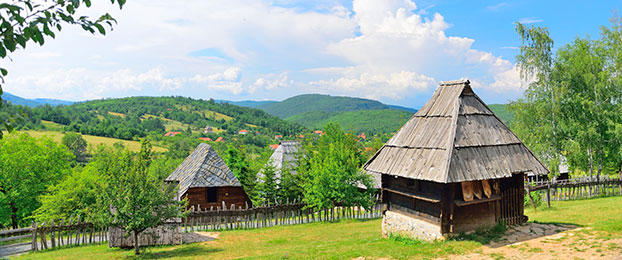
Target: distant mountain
(33, 102)
(354, 114)
(247, 103)
(502, 112)
(316, 102)
(360, 121)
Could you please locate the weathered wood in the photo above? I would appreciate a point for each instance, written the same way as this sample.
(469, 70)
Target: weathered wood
(52, 238)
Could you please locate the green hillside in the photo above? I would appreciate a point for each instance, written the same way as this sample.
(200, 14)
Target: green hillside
(136, 117)
(361, 121)
(316, 102)
(502, 112)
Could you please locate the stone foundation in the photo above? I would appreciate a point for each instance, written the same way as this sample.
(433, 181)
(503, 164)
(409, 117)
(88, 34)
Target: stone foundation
(167, 234)
(395, 223)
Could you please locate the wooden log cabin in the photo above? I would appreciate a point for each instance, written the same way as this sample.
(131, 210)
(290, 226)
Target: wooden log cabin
(285, 156)
(453, 167)
(207, 182)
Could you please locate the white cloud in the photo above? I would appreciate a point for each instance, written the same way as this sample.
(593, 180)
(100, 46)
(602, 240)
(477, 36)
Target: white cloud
(379, 49)
(529, 20)
(375, 85)
(77, 84)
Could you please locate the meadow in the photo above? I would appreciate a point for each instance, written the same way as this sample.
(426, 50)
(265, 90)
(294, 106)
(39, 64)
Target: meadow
(93, 141)
(348, 239)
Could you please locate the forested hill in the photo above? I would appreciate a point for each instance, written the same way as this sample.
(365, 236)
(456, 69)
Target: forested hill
(316, 102)
(133, 117)
(354, 114)
(33, 102)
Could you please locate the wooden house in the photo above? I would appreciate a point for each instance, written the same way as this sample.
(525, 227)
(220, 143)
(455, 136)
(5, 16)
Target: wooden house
(285, 155)
(453, 167)
(206, 181)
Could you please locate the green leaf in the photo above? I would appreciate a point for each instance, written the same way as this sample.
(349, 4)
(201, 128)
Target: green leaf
(100, 28)
(2, 52)
(10, 44)
(4, 72)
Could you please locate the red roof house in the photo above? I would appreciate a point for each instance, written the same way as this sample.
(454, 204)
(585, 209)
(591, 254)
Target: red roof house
(172, 133)
(274, 146)
(243, 132)
(205, 139)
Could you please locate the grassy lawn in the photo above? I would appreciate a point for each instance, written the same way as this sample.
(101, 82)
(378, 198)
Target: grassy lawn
(602, 214)
(92, 140)
(345, 240)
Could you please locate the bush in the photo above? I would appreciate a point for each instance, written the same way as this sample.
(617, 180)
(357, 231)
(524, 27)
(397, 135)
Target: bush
(537, 199)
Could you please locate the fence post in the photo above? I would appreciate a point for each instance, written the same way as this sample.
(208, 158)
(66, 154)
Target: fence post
(548, 194)
(52, 238)
(34, 236)
(43, 239)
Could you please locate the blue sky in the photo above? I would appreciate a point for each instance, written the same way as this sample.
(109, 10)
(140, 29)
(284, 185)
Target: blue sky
(395, 51)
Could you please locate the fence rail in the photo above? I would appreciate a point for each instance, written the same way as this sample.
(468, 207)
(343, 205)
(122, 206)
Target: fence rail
(278, 215)
(48, 235)
(576, 188)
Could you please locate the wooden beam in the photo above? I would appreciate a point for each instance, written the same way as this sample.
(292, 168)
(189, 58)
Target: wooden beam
(461, 203)
(419, 196)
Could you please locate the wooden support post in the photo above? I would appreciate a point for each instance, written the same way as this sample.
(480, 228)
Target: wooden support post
(34, 236)
(44, 243)
(528, 190)
(52, 237)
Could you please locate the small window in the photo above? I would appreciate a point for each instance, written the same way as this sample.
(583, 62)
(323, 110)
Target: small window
(212, 194)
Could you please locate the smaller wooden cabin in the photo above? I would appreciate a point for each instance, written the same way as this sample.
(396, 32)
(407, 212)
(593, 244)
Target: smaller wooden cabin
(284, 156)
(207, 182)
(453, 167)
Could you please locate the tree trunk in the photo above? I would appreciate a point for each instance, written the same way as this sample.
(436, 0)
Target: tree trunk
(136, 250)
(13, 216)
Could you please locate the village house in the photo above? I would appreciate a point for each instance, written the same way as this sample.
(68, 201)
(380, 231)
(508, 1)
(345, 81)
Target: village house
(285, 156)
(172, 133)
(453, 167)
(206, 181)
(243, 132)
(208, 130)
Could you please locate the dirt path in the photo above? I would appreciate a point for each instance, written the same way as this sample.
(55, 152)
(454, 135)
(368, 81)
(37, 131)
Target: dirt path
(545, 241)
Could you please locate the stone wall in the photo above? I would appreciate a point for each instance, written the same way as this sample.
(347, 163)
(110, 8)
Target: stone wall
(396, 223)
(167, 234)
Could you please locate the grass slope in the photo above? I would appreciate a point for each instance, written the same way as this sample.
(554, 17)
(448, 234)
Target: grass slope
(346, 240)
(93, 141)
(316, 102)
(362, 121)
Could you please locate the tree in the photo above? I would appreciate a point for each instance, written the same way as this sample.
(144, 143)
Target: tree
(537, 113)
(267, 187)
(27, 167)
(332, 172)
(76, 144)
(238, 163)
(23, 21)
(77, 193)
(572, 106)
(135, 200)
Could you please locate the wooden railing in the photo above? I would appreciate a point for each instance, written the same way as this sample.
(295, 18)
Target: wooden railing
(577, 188)
(278, 215)
(50, 235)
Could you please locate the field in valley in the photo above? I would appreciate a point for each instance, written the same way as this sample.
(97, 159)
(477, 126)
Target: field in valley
(93, 141)
(582, 229)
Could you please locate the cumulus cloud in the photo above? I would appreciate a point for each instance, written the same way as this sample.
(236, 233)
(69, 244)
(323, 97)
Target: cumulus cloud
(77, 84)
(375, 85)
(377, 49)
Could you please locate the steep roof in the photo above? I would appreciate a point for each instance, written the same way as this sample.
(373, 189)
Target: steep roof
(454, 137)
(203, 168)
(285, 154)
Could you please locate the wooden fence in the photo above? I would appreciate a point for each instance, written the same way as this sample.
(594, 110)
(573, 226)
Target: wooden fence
(278, 215)
(50, 235)
(576, 188)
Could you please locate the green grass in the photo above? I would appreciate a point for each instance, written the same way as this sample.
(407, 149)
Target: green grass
(344, 240)
(92, 140)
(602, 214)
(351, 239)
(49, 125)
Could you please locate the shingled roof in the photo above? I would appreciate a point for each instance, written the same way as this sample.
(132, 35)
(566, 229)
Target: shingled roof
(285, 154)
(454, 137)
(203, 168)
